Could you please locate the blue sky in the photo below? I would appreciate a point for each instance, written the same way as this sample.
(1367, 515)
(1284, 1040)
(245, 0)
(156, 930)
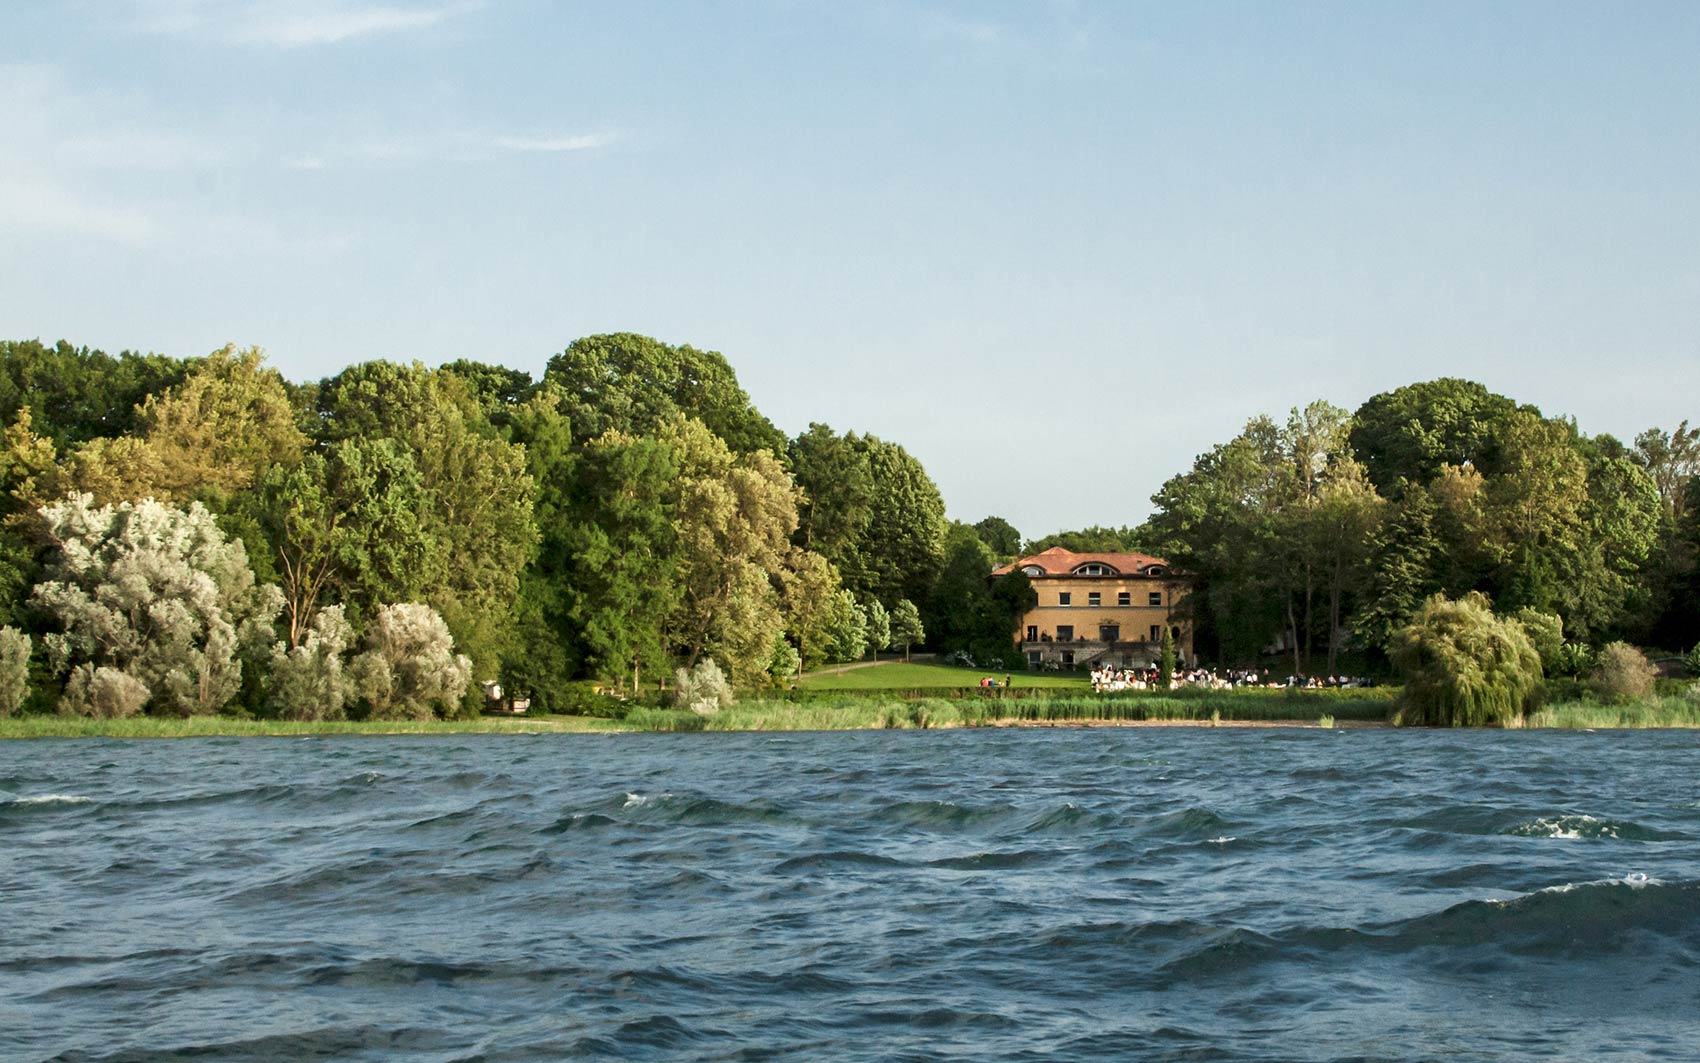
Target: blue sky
(1056, 249)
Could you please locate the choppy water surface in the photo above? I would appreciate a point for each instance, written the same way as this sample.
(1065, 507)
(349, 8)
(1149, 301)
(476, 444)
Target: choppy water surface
(1160, 894)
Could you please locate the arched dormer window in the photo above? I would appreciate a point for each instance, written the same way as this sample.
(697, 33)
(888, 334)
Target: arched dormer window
(1155, 570)
(1095, 568)
(1032, 570)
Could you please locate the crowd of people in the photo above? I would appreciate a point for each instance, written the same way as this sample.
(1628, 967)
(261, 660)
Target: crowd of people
(1107, 678)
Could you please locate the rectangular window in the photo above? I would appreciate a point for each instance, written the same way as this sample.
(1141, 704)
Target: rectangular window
(1062, 598)
(1156, 633)
(1065, 632)
(1032, 633)
(1155, 598)
(1034, 659)
(1124, 598)
(1094, 599)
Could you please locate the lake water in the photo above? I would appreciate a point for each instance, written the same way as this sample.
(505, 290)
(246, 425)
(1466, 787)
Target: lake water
(1145, 894)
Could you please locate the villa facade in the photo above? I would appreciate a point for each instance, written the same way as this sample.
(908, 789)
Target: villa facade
(1101, 609)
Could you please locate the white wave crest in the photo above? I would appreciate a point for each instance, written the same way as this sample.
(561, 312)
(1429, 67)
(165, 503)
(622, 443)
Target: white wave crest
(1568, 828)
(51, 799)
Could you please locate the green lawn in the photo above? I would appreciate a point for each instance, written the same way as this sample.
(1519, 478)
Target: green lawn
(896, 675)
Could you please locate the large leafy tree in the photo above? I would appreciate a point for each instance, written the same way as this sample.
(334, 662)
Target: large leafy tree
(837, 482)
(900, 551)
(735, 517)
(220, 429)
(349, 523)
(969, 610)
(1410, 433)
(477, 489)
(616, 553)
(78, 394)
(634, 384)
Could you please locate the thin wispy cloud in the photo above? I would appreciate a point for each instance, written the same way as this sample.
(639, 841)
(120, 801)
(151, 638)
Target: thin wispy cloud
(37, 203)
(576, 142)
(284, 24)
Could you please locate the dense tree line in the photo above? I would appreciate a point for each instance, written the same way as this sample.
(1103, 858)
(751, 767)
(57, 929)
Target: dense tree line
(1333, 529)
(202, 535)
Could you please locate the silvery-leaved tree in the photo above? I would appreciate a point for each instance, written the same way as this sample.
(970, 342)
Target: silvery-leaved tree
(308, 680)
(156, 594)
(14, 669)
(409, 669)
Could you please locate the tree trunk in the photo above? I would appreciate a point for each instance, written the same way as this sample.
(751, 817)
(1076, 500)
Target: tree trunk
(1336, 587)
(1293, 633)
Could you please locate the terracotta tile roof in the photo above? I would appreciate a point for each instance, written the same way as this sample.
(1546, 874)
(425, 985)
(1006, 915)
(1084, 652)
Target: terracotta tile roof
(1059, 562)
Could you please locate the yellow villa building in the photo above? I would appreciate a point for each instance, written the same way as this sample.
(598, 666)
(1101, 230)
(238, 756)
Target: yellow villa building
(1100, 609)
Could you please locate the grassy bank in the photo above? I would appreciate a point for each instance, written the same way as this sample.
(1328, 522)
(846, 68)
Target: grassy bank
(874, 711)
(898, 675)
(1658, 711)
(211, 726)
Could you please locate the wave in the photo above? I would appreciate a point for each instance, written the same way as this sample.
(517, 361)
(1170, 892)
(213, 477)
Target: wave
(836, 858)
(1579, 827)
(936, 815)
(1573, 921)
(45, 799)
(996, 861)
(688, 810)
(1193, 823)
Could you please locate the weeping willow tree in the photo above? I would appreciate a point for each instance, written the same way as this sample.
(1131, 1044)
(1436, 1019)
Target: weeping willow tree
(1465, 667)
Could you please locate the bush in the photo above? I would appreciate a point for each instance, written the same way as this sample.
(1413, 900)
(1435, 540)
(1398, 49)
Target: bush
(1546, 631)
(103, 692)
(1624, 673)
(14, 669)
(1691, 660)
(409, 669)
(1465, 667)
(1575, 659)
(703, 690)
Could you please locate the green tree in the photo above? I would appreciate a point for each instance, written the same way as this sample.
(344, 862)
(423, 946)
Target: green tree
(634, 384)
(1166, 660)
(221, 428)
(735, 517)
(969, 610)
(906, 629)
(1093, 540)
(1672, 460)
(1412, 432)
(1546, 633)
(837, 482)
(479, 494)
(879, 627)
(78, 394)
(1466, 667)
(1400, 572)
(1000, 536)
(846, 629)
(349, 522)
(902, 547)
(613, 544)
(810, 588)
